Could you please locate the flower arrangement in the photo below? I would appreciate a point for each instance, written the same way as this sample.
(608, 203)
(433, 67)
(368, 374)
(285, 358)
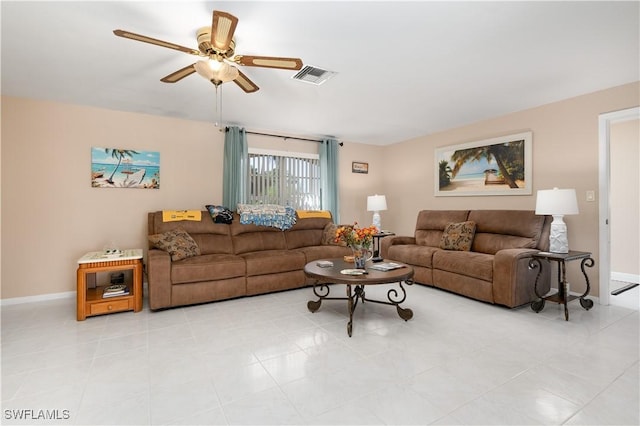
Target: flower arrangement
(353, 236)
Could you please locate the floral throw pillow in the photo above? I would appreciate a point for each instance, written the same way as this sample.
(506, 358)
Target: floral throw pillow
(178, 243)
(329, 235)
(458, 236)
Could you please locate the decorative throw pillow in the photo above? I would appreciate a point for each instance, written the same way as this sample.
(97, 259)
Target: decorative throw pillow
(220, 214)
(458, 236)
(329, 235)
(178, 243)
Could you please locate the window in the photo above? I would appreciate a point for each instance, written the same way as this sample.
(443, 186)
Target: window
(284, 178)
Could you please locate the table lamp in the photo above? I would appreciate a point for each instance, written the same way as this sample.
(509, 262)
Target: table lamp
(376, 204)
(557, 203)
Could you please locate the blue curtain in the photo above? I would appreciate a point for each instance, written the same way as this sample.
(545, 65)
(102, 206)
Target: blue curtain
(329, 177)
(235, 168)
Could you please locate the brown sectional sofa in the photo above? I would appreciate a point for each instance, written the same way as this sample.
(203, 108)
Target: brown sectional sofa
(495, 270)
(236, 259)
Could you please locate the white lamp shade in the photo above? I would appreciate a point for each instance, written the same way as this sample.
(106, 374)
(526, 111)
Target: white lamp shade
(556, 202)
(376, 203)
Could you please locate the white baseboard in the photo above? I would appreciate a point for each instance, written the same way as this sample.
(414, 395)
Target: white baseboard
(624, 277)
(38, 298)
(50, 296)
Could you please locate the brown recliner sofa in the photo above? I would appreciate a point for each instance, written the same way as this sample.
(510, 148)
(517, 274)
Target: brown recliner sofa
(236, 259)
(495, 269)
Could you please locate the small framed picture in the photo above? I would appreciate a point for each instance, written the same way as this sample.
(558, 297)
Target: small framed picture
(358, 167)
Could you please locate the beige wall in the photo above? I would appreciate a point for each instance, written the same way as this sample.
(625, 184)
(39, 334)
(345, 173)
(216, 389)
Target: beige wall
(624, 198)
(565, 154)
(51, 215)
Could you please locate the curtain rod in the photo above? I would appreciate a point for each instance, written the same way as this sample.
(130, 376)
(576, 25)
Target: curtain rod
(226, 129)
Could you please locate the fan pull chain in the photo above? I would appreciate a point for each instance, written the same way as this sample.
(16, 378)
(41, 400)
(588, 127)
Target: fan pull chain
(220, 106)
(218, 112)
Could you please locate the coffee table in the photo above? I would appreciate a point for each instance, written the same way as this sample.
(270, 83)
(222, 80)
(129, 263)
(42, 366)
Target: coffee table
(332, 275)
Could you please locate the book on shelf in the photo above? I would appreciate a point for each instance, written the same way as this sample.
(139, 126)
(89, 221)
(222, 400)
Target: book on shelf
(115, 290)
(386, 266)
(107, 295)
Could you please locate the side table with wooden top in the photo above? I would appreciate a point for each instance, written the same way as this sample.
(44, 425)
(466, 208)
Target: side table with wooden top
(562, 296)
(90, 301)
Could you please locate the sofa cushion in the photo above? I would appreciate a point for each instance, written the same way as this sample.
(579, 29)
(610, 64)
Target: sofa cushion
(273, 261)
(458, 236)
(306, 232)
(412, 254)
(249, 238)
(208, 267)
(213, 243)
(505, 229)
(476, 265)
(312, 253)
(177, 242)
(431, 223)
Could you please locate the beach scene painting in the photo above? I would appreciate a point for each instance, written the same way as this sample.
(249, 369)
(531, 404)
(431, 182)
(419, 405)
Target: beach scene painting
(124, 168)
(496, 166)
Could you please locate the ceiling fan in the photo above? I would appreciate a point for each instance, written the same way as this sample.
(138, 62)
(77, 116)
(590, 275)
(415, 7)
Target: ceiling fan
(216, 48)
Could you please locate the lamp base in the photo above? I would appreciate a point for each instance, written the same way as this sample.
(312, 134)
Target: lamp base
(376, 220)
(558, 242)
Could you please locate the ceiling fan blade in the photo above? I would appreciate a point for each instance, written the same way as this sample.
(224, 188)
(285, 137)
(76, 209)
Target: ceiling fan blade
(138, 37)
(179, 75)
(222, 29)
(245, 84)
(269, 62)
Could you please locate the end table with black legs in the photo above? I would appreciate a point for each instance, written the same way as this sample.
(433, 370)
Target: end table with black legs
(376, 244)
(562, 296)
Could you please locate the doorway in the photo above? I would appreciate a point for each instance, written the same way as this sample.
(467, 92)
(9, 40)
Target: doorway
(605, 123)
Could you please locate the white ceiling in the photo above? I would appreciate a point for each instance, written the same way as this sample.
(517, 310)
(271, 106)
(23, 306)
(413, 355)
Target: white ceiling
(405, 69)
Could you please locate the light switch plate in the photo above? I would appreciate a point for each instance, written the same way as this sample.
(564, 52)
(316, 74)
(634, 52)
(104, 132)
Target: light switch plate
(591, 195)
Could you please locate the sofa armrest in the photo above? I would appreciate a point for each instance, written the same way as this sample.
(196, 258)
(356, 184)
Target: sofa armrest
(159, 278)
(387, 242)
(513, 280)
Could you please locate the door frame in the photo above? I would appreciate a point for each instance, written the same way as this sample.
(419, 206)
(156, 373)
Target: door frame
(605, 121)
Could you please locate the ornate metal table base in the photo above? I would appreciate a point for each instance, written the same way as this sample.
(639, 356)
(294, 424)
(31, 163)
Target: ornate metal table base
(562, 296)
(358, 294)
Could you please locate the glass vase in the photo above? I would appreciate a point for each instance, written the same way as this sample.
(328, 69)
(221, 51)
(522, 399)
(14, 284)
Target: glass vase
(360, 254)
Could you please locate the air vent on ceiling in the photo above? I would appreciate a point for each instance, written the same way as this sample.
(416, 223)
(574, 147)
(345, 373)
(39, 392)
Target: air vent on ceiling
(313, 75)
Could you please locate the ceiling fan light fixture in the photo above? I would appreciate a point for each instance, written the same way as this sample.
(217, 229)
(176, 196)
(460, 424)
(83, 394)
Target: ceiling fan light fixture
(222, 73)
(217, 47)
(215, 65)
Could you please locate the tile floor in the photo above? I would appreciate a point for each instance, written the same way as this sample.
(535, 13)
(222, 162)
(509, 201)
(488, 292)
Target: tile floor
(627, 299)
(267, 360)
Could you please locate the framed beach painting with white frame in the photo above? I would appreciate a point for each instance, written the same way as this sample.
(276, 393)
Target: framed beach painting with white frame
(124, 168)
(496, 166)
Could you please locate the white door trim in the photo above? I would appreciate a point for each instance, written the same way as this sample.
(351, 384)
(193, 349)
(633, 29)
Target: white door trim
(604, 126)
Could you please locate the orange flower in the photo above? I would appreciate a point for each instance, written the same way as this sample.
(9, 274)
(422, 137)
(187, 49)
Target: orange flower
(355, 236)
